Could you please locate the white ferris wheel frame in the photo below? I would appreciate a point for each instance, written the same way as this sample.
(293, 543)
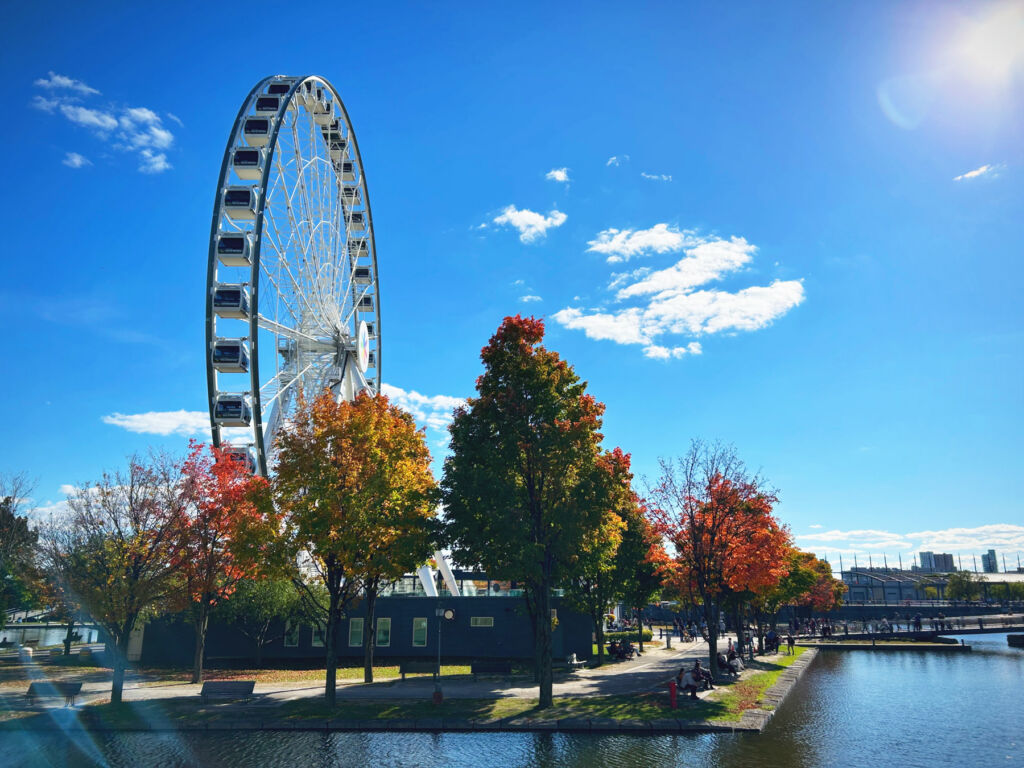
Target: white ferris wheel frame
(307, 278)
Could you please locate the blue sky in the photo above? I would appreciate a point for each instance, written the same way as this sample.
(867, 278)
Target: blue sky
(793, 227)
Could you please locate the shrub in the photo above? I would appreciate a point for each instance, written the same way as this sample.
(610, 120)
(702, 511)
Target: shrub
(630, 635)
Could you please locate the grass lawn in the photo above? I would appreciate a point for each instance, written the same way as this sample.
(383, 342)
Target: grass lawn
(736, 696)
(20, 675)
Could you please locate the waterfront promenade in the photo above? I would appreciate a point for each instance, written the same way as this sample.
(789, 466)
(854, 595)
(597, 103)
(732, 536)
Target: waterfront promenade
(645, 674)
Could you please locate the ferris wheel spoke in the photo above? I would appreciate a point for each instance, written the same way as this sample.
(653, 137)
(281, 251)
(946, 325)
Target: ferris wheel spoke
(310, 342)
(298, 290)
(284, 388)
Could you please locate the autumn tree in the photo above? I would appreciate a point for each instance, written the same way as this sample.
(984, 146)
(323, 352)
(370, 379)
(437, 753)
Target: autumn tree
(807, 581)
(117, 548)
(592, 585)
(826, 593)
(398, 500)
(797, 581)
(641, 563)
(522, 453)
(227, 531)
(719, 520)
(351, 477)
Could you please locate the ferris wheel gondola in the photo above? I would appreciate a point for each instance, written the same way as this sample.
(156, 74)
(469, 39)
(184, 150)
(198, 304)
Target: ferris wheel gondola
(292, 293)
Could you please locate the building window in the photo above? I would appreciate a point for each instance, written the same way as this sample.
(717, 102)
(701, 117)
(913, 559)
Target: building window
(291, 634)
(318, 636)
(419, 633)
(355, 632)
(384, 632)
(481, 621)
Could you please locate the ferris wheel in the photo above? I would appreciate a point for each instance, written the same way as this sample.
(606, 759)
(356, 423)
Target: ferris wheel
(292, 297)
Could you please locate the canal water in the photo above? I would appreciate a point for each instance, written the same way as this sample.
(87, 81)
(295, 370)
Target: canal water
(856, 708)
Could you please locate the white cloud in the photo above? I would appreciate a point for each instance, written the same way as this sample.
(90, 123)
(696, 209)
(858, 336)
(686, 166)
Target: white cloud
(664, 353)
(672, 305)
(985, 169)
(90, 118)
(558, 174)
(56, 82)
(75, 160)
(704, 262)
(141, 128)
(656, 176)
(176, 119)
(153, 162)
(138, 130)
(616, 160)
(816, 525)
(623, 244)
(182, 422)
(712, 311)
(529, 298)
(622, 327)
(44, 104)
(431, 411)
(532, 226)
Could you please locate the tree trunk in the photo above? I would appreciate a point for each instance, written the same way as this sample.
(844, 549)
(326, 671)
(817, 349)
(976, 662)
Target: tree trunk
(330, 686)
(118, 665)
(67, 636)
(711, 617)
(599, 633)
(544, 646)
(640, 625)
(369, 635)
(202, 621)
(261, 640)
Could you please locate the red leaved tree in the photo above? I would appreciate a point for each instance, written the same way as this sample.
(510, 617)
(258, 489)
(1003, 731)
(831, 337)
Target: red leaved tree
(728, 545)
(228, 531)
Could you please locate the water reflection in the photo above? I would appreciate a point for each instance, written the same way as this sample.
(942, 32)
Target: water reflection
(850, 709)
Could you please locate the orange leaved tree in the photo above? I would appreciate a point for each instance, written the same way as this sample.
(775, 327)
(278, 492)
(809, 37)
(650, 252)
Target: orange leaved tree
(354, 482)
(227, 531)
(719, 520)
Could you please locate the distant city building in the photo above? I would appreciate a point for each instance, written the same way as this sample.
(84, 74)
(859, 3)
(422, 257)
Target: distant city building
(936, 563)
(989, 563)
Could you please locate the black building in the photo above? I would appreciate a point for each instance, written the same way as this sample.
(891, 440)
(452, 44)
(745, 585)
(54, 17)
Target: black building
(406, 627)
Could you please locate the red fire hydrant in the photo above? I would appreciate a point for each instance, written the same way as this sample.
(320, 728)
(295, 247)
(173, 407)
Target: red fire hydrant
(673, 691)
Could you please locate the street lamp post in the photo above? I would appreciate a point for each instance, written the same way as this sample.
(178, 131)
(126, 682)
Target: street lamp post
(447, 614)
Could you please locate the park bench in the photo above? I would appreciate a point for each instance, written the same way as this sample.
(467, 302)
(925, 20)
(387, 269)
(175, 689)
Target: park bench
(491, 667)
(49, 689)
(417, 667)
(572, 663)
(227, 689)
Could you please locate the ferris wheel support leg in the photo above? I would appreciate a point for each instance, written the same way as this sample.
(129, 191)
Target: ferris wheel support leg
(446, 573)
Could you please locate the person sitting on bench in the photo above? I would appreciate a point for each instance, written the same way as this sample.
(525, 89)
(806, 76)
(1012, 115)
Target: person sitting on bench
(701, 675)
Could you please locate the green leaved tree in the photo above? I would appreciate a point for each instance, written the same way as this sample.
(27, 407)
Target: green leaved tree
(522, 454)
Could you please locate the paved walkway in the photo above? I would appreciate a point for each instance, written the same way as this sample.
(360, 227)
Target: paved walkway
(644, 674)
